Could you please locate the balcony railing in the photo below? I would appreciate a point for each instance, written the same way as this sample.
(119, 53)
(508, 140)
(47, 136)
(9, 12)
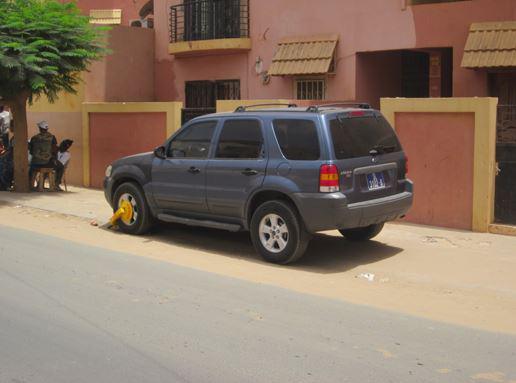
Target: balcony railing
(209, 20)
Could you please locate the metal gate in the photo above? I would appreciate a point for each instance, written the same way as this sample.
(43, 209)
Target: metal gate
(201, 96)
(505, 194)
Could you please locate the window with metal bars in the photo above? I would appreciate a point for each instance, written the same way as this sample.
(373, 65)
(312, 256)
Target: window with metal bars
(310, 89)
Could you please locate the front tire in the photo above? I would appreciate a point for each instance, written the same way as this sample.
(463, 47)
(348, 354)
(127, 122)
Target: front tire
(362, 233)
(277, 233)
(140, 221)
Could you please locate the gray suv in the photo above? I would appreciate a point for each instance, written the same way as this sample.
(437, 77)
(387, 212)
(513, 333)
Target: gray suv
(280, 173)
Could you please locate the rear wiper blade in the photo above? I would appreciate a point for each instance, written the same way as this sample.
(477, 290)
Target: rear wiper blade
(380, 149)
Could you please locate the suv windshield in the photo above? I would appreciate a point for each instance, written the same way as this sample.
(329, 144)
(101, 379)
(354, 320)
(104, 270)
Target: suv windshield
(358, 136)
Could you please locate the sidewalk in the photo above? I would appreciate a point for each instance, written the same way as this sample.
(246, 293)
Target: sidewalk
(80, 202)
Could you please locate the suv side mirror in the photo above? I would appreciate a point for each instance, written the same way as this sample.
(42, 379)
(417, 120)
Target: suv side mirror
(160, 152)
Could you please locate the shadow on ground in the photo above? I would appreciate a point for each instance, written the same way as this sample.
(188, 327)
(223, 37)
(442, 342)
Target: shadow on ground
(326, 254)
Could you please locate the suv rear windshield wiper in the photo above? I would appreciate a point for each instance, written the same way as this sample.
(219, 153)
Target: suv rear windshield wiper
(380, 149)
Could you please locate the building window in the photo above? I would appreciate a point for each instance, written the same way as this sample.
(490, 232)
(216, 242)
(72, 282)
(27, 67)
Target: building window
(417, 2)
(201, 96)
(106, 16)
(310, 89)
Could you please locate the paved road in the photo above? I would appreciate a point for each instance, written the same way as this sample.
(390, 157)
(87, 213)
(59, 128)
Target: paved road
(71, 313)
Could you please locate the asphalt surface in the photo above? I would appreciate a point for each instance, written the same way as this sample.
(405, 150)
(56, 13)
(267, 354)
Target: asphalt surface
(72, 313)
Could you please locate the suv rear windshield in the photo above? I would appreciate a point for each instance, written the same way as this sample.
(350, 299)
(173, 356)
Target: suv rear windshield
(357, 136)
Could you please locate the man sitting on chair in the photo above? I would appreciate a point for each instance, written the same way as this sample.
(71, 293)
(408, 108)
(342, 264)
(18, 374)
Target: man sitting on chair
(63, 157)
(43, 149)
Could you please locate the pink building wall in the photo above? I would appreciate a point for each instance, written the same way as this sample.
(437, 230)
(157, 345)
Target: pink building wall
(130, 8)
(127, 73)
(363, 26)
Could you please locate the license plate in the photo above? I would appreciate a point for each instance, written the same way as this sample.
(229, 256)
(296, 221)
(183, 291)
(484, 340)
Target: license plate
(375, 181)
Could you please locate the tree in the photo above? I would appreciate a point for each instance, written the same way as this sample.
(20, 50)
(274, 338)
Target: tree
(44, 45)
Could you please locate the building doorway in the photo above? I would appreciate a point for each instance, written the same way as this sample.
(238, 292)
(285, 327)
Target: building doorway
(201, 96)
(503, 86)
(404, 73)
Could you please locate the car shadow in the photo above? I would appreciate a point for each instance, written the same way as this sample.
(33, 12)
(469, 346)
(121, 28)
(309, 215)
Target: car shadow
(326, 254)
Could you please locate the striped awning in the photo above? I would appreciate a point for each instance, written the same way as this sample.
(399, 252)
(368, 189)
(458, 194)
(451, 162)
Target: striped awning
(491, 45)
(106, 16)
(311, 55)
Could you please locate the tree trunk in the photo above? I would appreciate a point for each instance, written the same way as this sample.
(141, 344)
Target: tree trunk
(21, 158)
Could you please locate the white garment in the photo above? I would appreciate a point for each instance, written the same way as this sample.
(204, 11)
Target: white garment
(64, 157)
(5, 121)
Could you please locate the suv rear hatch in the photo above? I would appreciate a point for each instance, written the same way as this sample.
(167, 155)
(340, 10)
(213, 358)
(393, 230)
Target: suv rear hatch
(368, 155)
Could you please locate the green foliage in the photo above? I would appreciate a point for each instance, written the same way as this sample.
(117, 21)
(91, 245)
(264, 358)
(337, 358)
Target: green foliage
(44, 45)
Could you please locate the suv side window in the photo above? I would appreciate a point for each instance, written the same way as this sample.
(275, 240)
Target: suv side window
(240, 139)
(193, 142)
(298, 139)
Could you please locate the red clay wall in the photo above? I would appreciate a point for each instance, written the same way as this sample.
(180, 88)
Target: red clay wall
(130, 8)
(127, 73)
(115, 135)
(440, 148)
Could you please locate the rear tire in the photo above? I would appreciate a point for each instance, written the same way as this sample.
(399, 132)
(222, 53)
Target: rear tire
(142, 220)
(277, 232)
(362, 233)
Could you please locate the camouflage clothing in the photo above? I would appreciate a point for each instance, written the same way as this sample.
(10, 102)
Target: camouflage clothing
(42, 147)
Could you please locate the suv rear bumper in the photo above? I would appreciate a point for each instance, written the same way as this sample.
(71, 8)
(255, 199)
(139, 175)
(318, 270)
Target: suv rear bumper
(331, 211)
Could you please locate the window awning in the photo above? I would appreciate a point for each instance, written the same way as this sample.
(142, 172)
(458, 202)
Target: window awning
(106, 16)
(304, 56)
(491, 45)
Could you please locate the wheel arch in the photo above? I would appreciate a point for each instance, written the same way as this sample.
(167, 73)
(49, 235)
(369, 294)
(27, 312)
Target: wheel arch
(262, 196)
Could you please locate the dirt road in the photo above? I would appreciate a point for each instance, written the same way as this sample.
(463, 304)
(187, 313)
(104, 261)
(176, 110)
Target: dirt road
(450, 276)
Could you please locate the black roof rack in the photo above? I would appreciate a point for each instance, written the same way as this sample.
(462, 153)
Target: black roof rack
(360, 105)
(243, 108)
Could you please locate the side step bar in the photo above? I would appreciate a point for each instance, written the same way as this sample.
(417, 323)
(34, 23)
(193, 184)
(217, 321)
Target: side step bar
(196, 222)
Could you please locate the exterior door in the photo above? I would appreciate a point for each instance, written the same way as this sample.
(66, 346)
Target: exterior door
(179, 181)
(503, 86)
(237, 168)
(415, 74)
(201, 96)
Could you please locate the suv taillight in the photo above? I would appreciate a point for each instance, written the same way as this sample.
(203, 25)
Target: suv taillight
(329, 179)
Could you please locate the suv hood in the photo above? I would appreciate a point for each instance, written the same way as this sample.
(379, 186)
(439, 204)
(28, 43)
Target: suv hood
(136, 159)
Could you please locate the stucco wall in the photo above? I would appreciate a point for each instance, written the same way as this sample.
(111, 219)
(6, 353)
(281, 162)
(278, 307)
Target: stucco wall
(130, 8)
(127, 73)
(439, 120)
(378, 75)
(63, 125)
(363, 26)
(116, 135)
(440, 148)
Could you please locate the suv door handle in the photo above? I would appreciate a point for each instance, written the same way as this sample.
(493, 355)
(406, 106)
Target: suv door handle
(194, 170)
(249, 172)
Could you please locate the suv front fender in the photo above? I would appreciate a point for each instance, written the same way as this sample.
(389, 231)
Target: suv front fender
(127, 173)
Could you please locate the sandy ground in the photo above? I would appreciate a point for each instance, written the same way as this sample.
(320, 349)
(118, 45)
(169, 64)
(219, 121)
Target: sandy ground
(451, 276)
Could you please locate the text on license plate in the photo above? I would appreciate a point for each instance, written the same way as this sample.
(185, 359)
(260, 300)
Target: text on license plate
(375, 181)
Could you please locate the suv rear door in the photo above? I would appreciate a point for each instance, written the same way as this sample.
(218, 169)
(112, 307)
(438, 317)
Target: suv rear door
(367, 153)
(179, 181)
(237, 167)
